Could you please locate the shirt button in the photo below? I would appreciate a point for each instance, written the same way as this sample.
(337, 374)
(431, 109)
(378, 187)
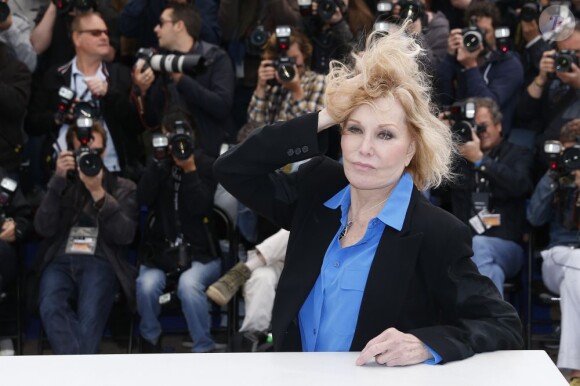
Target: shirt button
(482, 168)
(314, 331)
(297, 151)
(305, 149)
(336, 264)
(290, 152)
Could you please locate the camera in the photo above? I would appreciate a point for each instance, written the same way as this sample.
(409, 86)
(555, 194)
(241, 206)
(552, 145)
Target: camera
(4, 11)
(462, 117)
(562, 160)
(305, 7)
(530, 11)
(66, 99)
(259, 37)
(502, 39)
(563, 60)
(189, 64)
(327, 8)
(384, 23)
(65, 6)
(410, 9)
(7, 188)
(473, 37)
(88, 160)
(180, 140)
(284, 65)
(179, 259)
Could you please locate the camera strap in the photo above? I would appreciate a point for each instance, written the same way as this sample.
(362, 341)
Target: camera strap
(176, 174)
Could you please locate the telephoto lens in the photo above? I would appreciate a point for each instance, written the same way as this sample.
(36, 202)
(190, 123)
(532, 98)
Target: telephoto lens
(181, 141)
(89, 161)
(472, 38)
(285, 68)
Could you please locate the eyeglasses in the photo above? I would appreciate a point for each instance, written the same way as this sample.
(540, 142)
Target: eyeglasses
(161, 22)
(95, 32)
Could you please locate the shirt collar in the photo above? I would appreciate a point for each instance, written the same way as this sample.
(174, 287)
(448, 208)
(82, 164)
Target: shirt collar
(75, 70)
(394, 210)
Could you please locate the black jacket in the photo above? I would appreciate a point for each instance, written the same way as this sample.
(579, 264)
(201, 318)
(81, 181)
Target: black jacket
(422, 280)
(507, 171)
(196, 192)
(15, 80)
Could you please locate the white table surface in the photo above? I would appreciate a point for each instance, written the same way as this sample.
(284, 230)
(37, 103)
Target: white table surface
(509, 368)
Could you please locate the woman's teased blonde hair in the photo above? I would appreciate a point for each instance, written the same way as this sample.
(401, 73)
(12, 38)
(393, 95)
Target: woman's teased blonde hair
(389, 67)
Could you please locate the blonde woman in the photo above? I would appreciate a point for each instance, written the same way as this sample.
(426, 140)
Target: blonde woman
(371, 265)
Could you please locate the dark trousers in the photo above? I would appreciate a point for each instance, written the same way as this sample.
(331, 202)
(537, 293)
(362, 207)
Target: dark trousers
(76, 296)
(8, 264)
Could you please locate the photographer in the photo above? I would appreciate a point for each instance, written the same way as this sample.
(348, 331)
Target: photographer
(15, 82)
(15, 33)
(51, 36)
(326, 26)
(553, 97)
(494, 178)
(207, 96)
(286, 98)
(14, 227)
(178, 188)
(99, 89)
(478, 70)
(555, 201)
(88, 218)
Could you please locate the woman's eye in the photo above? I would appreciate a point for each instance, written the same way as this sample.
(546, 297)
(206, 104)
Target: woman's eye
(385, 135)
(353, 130)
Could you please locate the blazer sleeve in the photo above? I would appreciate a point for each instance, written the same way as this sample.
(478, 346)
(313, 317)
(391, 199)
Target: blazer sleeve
(473, 317)
(249, 171)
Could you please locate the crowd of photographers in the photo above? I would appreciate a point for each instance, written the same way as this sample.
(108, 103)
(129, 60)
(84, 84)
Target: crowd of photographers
(111, 106)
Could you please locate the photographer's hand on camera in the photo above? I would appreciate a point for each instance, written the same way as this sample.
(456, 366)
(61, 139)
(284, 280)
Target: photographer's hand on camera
(64, 163)
(93, 184)
(97, 87)
(8, 232)
(337, 16)
(142, 79)
(471, 150)
(266, 72)
(571, 78)
(454, 41)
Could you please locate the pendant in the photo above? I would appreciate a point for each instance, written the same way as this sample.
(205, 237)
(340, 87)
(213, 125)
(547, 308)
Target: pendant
(345, 230)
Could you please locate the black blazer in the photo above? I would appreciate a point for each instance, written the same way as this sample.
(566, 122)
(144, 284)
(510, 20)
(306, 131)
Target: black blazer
(422, 280)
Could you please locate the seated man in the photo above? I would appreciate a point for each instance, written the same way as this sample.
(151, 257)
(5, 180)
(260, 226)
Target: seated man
(494, 178)
(179, 191)
(260, 273)
(88, 217)
(555, 201)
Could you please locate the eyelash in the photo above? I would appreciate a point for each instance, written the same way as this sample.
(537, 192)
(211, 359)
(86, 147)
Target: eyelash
(384, 135)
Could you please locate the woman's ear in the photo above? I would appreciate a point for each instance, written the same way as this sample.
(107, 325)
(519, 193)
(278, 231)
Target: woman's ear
(410, 153)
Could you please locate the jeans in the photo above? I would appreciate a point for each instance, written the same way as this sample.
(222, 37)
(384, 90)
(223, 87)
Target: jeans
(92, 283)
(497, 258)
(190, 290)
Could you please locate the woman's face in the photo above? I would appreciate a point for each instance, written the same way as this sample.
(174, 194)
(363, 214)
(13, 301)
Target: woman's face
(376, 145)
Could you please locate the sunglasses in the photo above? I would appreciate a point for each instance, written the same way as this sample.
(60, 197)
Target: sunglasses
(94, 32)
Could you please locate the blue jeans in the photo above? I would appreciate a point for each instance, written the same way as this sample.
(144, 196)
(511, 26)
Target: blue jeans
(497, 258)
(92, 283)
(190, 290)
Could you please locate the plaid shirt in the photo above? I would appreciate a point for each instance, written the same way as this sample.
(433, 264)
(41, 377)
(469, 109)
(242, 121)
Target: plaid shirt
(278, 104)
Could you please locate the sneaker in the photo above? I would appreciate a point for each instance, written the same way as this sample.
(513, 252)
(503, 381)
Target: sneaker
(226, 287)
(6, 347)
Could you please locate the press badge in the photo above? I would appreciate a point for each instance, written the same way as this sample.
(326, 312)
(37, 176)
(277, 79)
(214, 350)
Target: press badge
(82, 240)
(484, 220)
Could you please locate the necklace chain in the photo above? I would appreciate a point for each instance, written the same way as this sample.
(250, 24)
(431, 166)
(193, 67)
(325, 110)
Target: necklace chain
(349, 221)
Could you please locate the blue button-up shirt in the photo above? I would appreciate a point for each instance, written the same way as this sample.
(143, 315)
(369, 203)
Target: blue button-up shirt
(329, 315)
